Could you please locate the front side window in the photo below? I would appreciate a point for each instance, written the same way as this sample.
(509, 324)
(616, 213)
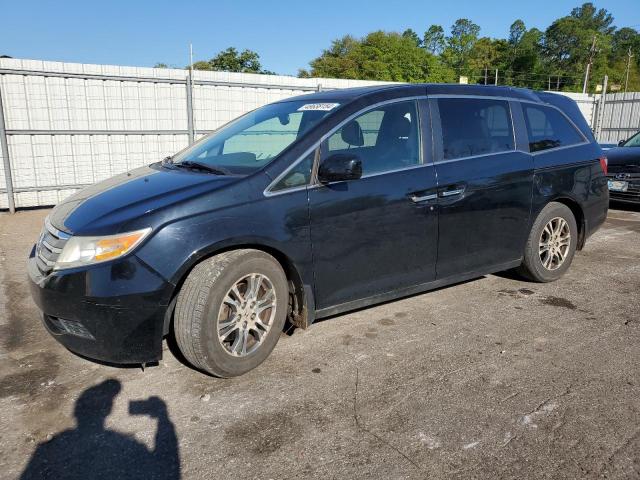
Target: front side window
(385, 138)
(298, 176)
(255, 139)
(473, 126)
(548, 128)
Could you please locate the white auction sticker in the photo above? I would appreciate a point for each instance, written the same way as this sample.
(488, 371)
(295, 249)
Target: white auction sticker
(321, 107)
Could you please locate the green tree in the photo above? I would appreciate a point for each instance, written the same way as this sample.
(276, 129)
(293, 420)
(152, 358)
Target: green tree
(202, 65)
(593, 19)
(230, 60)
(464, 35)
(339, 61)
(526, 67)
(409, 33)
(516, 32)
(484, 55)
(520, 57)
(569, 45)
(378, 56)
(554, 58)
(434, 39)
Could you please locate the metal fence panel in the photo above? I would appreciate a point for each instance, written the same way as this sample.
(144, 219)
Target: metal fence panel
(620, 117)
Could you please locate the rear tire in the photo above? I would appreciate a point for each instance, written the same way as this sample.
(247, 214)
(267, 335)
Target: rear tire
(220, 325)
(551, 244)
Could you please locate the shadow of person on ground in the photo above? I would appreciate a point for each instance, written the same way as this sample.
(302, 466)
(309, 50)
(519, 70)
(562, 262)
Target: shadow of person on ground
(90, 451)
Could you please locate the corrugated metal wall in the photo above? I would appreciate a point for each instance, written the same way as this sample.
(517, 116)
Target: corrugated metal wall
(71, 125)
(620, 116)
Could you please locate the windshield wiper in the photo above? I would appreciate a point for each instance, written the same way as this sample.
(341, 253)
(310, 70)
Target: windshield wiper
(191, 165)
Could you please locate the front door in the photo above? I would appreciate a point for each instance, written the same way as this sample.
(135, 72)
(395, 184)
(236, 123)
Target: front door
(485, 181)
(376, 234)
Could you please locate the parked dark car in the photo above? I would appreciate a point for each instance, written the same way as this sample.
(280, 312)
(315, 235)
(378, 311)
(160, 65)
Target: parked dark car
(313, 206)
(606, 146)
(624, 170)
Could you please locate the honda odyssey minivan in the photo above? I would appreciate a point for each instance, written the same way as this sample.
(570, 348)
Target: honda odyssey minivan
(313, 206)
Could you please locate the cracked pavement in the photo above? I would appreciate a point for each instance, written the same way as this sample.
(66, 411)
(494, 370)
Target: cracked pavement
(491, 378)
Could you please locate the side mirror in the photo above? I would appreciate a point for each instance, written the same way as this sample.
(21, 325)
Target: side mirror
(339, 167)
(621, 143)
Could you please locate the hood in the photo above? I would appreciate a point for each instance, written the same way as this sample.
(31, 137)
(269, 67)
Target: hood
(623, 159)
(105, 207)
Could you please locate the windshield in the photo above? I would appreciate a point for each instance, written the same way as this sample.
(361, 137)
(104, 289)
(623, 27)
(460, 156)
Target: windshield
(250, 142)
(633, 141)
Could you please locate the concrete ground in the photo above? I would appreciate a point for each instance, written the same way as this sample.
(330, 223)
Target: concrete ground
(493, 378)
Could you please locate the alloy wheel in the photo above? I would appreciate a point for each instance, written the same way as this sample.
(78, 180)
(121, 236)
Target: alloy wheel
(554, 244)
(246, 314)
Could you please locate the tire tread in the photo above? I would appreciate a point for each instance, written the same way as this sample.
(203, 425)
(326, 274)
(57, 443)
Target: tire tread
(191, 306)
(528, 269)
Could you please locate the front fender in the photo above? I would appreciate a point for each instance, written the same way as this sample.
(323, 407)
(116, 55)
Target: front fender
(279, 224)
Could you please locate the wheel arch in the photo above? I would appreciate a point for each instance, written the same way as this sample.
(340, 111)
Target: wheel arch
(578, 214)
(301, 302)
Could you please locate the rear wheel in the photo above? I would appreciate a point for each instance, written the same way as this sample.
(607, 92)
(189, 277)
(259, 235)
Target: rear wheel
(551, 244)
(230, 312)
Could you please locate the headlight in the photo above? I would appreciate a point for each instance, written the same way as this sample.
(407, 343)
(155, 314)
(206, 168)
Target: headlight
(80, 251)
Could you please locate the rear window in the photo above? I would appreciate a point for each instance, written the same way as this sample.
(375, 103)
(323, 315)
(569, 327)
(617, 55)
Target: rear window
(548, 128)
(475, 127)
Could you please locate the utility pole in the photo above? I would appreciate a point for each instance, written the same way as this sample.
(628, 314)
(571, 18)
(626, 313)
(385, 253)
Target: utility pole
(485, 75)
(496, 83)
(626, 80)
(190, 123)
(4, 146)
(549, 83)
(191, 80)
(592, 53)
(600, 110)
(558, 83)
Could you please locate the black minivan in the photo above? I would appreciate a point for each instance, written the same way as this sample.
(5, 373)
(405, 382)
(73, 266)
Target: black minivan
(313, 206)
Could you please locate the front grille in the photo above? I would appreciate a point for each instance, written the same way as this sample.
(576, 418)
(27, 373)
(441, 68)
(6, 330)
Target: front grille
(633, 190)
(49, 247)
(633, 170)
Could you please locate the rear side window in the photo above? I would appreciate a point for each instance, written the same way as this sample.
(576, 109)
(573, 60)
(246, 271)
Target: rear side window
(473, 126)
(548, 128)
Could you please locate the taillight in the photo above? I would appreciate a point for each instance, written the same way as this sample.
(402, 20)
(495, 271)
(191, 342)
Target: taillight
(604, 164)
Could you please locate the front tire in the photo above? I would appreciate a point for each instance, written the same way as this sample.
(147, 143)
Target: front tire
(230, 312)
(551, 244)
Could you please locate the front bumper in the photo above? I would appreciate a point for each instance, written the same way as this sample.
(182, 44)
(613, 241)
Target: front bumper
(113, 312)
(632, 192)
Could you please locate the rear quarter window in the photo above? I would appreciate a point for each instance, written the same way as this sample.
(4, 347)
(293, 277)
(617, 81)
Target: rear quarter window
(547, 128)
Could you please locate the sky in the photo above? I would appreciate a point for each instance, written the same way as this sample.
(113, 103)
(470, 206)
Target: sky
(287, 34)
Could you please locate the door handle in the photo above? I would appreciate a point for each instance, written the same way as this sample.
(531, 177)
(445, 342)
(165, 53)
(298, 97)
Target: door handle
(451, 193)
(423, 198)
